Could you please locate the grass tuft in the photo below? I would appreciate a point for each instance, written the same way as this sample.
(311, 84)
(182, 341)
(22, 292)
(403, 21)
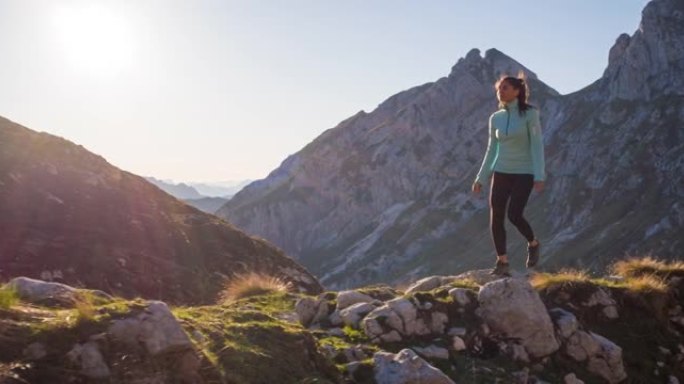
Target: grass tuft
(252, 284)
(646, 283)
(564, 277)
(8, 297)
(647, 266)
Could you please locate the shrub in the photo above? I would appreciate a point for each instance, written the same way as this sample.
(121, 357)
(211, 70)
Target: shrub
(252, 284)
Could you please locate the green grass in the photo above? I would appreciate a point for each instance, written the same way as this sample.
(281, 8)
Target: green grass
(8, 297)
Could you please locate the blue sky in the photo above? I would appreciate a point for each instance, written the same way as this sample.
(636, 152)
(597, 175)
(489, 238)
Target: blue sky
(225, 90)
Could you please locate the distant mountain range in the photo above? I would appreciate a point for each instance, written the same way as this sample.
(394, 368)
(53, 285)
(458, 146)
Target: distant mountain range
(208, 197)
(385, 196)
(68, 215)
(189, 190)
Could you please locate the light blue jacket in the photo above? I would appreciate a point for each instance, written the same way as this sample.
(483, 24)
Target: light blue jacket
(515, 144)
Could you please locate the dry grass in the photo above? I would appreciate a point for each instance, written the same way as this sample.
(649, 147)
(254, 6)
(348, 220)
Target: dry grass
(8, 297)
(564, 277)
(646, 283)
(647, 266)
(635, 282)
(252, 284)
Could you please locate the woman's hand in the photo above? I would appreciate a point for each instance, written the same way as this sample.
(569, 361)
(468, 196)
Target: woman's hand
(538, 186)
(477, 187)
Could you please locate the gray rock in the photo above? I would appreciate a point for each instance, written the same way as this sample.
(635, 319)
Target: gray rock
(88, 357)
(610, 312)
(458, 344)
(306, 308)
(348, 298)
(429, 283)
(432, 352)
(43, 292)
(607, 363)
(35, 351)
(406, 368)
(438, 322)
(355, 353)
(570, 378)
(462, 296)
(353, 314)
(335, 318)
(521, 377)
(565, 322)
(155, 327)
(391, 337)
(457, 331)
(513, 308)
(604, 358)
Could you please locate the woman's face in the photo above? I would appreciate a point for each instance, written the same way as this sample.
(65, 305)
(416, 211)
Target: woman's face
(506, 93)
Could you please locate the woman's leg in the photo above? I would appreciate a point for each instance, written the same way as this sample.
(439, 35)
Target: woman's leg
(498, 197)
(520, 193)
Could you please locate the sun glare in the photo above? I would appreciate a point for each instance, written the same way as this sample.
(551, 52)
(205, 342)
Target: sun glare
(94, 38)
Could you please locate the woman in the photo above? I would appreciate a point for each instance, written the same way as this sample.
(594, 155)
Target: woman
(515, 156)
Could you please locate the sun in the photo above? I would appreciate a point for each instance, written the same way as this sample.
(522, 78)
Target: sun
(94, 38)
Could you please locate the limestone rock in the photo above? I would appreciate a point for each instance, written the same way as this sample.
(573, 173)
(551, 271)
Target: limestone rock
(88, 357)
(347, 298)
(306, 308)
(155, 328)
(429, 283)
(565, 322)
(432, 352)
(406, 368)
(353, 314)
(513, 308)
(570, 378)
(48, 293)
(603, 357)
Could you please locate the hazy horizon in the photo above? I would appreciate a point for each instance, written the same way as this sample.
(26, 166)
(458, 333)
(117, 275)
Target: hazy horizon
(216, 91)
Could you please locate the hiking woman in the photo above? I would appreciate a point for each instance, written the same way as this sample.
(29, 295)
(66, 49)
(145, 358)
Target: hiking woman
(515, 157)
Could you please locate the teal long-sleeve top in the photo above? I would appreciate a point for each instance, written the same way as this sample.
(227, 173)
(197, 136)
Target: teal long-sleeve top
(515, 144)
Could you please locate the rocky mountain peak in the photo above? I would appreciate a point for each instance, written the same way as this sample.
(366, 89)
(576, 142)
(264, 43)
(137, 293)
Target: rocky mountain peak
(651, 60)
(494, 64)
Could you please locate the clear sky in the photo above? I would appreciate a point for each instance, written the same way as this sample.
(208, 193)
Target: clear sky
(225, 90)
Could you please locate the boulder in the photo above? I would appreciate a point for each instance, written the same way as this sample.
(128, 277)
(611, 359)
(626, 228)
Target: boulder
(353, 314)
(565, 322)
(429, 283)
(348, 298)
(306, 308)
(603, 357)
(462, 296)
(432, 352)
(49, 293)
(512, 308)
(88, 357)
(406, 367)
(155, 328)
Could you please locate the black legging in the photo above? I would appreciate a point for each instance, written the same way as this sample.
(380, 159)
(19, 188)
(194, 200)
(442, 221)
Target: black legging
(517, 187)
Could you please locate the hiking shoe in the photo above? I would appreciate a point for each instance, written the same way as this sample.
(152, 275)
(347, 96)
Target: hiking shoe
(501, 269)
(533, 255)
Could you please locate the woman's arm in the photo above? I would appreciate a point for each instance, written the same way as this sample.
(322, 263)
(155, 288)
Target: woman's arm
(536, 144)
(490, 155)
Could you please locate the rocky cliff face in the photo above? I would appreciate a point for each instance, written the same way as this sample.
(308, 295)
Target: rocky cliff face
(385, 196)
(67, 215)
